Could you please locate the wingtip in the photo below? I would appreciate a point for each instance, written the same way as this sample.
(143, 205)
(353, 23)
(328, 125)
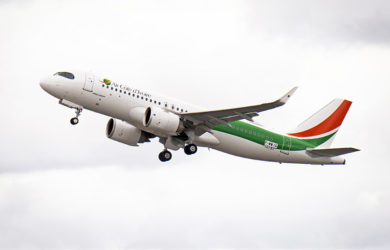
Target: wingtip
(287, 96)
(292, 91)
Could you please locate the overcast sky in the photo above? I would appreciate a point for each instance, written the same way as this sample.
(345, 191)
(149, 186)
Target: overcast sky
(64, 186)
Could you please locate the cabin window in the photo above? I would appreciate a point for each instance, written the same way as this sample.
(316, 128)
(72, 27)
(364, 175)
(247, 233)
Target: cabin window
(65, 74)
(120, 91)
(146, 99)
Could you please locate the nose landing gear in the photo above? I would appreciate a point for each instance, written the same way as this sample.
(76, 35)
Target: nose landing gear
(72, 105)
(75, 120)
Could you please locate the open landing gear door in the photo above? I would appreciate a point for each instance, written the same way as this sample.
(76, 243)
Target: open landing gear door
(89, 81)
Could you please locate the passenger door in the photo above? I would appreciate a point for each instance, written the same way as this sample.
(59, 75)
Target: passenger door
(89, 81)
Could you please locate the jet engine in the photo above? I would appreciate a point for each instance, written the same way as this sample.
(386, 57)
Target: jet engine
(159, 121)
(126, 133)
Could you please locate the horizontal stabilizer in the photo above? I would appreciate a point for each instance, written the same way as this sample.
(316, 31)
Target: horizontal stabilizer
(330, 152)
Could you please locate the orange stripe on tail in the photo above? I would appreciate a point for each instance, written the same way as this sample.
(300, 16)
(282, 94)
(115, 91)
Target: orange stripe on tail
(332, 122)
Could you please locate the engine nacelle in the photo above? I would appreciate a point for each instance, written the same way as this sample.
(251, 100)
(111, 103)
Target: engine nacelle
(124, 132)
(137, 116)
(159, 121)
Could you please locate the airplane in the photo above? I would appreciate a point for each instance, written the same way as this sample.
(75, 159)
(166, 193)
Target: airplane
(138, 116)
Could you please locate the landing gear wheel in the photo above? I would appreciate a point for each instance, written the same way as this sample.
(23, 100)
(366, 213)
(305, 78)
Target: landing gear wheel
(165, 156)
(190, 149)
(74, 120)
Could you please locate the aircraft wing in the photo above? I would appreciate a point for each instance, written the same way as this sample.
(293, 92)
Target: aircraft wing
(210, 119)
(330, 152)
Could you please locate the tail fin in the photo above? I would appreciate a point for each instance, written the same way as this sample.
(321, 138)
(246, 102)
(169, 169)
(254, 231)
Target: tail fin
(323, 124)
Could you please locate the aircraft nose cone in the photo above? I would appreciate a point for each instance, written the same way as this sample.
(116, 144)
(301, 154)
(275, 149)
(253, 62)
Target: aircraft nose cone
(44, 83)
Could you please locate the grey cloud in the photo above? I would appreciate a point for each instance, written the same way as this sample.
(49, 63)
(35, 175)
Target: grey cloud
(191, 207)
(323, 21)
(374, 30)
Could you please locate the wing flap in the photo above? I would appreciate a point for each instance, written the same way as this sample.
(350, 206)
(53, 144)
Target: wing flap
(330, 152)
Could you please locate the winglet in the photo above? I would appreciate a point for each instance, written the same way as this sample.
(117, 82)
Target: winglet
(287, 96)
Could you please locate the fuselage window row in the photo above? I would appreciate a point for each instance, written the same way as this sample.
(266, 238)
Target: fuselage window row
(146, 99)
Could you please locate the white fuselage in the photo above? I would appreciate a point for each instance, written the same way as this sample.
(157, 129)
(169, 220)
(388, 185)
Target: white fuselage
(116, 100)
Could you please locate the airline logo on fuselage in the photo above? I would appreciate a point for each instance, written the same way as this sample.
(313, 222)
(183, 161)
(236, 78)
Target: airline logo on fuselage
(106, 81)
(125, 88)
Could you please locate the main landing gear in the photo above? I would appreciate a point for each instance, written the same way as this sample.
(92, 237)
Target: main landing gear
(75, 120)
(166, 155)
(190, 149)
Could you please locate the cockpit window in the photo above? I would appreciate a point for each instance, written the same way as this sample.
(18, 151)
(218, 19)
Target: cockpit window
(65, 74)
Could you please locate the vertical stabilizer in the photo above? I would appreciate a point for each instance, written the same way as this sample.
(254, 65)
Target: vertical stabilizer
(323, 124)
